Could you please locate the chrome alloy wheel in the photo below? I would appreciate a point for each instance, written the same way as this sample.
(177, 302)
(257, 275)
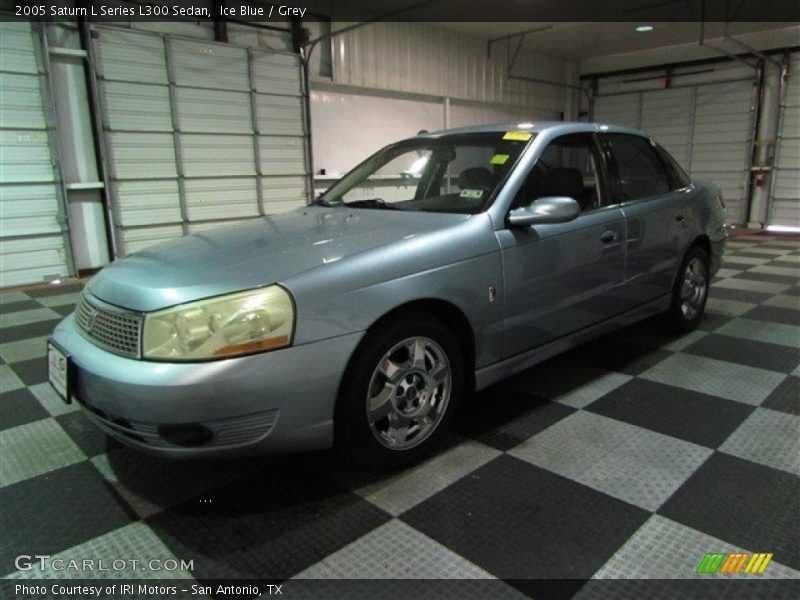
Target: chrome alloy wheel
(408, 393)
(694, 288)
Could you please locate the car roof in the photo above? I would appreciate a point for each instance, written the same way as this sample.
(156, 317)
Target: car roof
(556, 127)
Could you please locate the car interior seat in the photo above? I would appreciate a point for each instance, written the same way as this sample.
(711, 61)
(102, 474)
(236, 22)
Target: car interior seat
(476, 178)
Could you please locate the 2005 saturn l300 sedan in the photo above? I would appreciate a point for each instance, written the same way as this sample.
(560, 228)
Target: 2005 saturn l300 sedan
(442, 263)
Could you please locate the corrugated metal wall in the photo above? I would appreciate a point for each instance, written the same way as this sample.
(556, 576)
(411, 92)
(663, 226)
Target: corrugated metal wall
(33, 232)
(425, 59)
(785, 198)
(705, 120)
(198, 133)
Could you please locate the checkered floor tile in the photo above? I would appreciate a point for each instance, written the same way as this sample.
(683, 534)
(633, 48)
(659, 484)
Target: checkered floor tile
(627, 458)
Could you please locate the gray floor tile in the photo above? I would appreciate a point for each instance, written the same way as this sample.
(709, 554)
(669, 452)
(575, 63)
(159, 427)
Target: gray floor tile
(398, 492)
(723, 272)
(772, 314)
(135, 541)
(768, 437)
(60, 300)
(762, 331)
(786, 397)
(732, 308)
(407, 489)
(748, 504)
(51, 401)
(782, 301)
(35, 448)
(772, 270)
(792, 244)
(25, 317)
(686, 340)
(715, 377)
(787, 258)
(568, 383)
(12, 297)
(769, 251)
(625, 461)
(664, 549)
(24, 349)
(394, 551)
(9, 380)
(589, 392)
(747, 260)
(751, 286)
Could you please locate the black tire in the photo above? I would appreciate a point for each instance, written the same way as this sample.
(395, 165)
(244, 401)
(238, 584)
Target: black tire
(367, 442)
(688, 304)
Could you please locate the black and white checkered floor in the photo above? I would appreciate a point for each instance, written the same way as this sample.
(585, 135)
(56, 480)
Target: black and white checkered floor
(630, 457)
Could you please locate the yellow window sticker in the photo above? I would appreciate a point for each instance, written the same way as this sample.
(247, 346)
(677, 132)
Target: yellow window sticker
(518, 136)
(499, 159)
(471, 193)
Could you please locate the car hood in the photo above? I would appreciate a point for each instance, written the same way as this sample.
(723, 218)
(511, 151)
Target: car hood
(253, 254)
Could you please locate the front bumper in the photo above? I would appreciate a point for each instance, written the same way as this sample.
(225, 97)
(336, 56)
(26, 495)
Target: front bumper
(276, 401)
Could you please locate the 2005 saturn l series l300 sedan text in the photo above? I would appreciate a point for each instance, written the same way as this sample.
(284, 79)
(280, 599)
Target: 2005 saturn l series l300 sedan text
(441, 264)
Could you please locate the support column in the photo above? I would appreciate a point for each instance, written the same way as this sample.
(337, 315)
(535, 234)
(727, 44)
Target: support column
(767, 134)
(82, 182)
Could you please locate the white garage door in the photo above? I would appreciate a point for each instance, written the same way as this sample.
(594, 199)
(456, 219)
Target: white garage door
(32, 232)
(785, 201)
(707, 127)
(198, 133)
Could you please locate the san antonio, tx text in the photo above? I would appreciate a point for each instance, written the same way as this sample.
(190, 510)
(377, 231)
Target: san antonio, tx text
(154, 10)
(129, 589)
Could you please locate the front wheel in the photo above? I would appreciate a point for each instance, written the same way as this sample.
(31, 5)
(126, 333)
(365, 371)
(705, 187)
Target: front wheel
(690, 292)
(399, 393)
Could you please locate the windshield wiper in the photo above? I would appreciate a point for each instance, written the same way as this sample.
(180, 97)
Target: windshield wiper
(373, 203)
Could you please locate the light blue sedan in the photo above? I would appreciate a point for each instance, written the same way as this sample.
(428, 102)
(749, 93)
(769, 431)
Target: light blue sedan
(441, 264)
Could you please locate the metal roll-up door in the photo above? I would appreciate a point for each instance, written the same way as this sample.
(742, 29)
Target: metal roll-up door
(667, 115)
(198, 133)
(708, 127)
(723, 140)
(785, 201)
(33, 232)
(619, 109)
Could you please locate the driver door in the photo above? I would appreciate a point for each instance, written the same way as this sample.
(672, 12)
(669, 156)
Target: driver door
(560, 278)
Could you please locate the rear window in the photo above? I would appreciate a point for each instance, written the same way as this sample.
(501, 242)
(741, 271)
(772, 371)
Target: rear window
(640, 171)
(679, 177)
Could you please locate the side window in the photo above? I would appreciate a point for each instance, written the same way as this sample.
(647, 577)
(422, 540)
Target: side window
(567, 167)
(679, 177)
(640, 170)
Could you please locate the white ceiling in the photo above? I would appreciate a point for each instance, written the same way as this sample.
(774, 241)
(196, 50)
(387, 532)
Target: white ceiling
(605, 39)
(582, 40)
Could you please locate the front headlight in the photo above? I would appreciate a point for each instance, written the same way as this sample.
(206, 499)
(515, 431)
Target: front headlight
(221, 327)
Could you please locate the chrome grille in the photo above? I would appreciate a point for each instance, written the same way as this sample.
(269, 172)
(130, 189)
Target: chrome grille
(114, 331)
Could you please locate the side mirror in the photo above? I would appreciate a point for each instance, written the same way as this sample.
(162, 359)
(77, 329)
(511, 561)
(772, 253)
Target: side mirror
(550, 209)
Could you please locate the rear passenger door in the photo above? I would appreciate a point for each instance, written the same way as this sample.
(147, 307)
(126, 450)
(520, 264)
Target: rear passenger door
(656, 215)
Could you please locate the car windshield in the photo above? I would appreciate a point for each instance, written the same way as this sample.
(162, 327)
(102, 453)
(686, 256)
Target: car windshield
(457, 173)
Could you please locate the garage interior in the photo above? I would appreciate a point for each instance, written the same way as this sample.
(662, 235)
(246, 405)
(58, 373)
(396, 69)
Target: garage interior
(631, 457)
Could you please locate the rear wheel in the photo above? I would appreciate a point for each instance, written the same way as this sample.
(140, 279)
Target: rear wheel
(690, 292)
(399, 393)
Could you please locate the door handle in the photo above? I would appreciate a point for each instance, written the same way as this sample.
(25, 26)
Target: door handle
(679, 217)
(608, 236)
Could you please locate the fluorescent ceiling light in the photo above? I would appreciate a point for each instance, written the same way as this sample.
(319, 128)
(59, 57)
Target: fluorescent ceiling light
(644, 28)
(783, 228)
